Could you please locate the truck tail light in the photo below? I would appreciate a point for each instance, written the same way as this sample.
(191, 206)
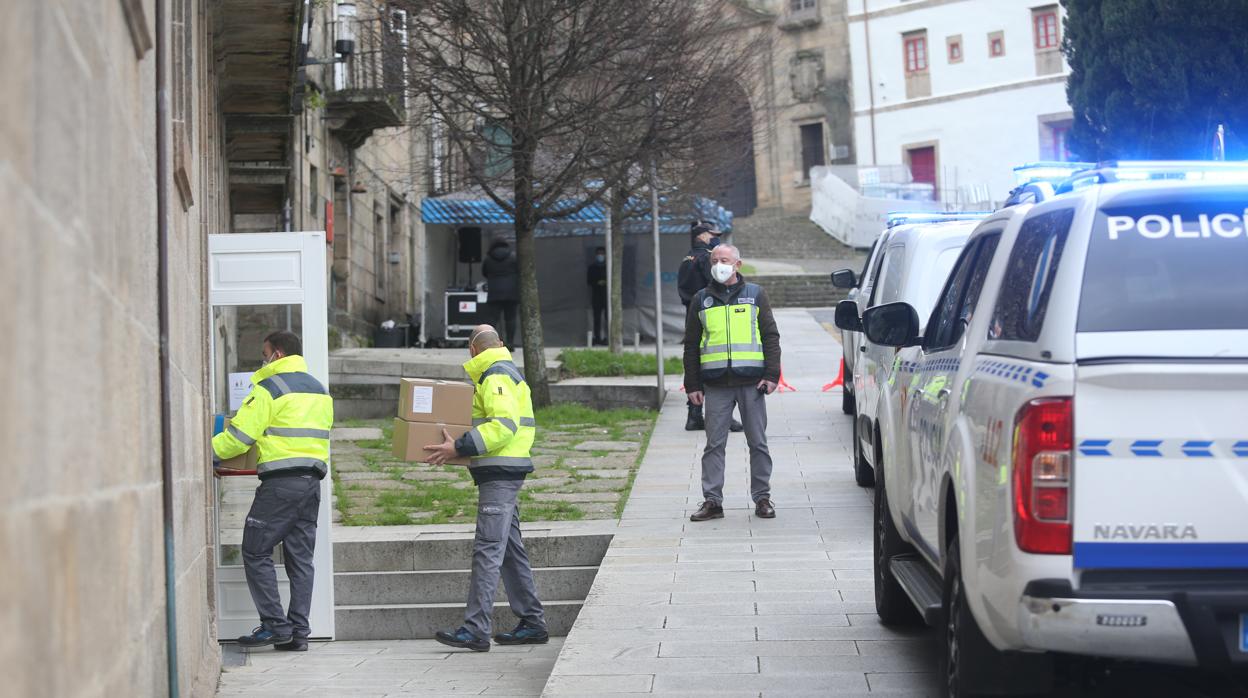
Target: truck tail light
(1043, 442)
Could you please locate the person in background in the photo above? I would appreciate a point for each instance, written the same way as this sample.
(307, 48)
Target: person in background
(289, 413)
(732, 357)
(502, 274)
(498, 444)
(596, 277)
(693, 276)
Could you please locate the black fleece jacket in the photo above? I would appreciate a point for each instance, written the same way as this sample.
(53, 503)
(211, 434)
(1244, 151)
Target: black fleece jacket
(693, 339)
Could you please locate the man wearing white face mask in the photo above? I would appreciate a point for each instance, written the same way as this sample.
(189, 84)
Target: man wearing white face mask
(732, 358)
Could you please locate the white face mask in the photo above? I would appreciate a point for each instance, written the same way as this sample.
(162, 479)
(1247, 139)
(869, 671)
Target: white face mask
(722, 272)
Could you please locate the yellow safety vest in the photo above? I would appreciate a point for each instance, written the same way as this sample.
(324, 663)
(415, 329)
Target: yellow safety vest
(503, 426)
(289, 413)
(731, 337)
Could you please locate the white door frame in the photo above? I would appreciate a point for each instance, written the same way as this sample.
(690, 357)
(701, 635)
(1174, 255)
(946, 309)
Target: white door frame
(276, 269)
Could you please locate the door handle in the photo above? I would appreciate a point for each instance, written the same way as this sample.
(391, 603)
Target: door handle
(863, 348)
(942, 394)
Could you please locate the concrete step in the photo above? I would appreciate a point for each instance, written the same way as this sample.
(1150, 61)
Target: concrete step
(375, 397)
(770, 236)
(421, 621)
(800, 290)
(449, 586)
(455, 552)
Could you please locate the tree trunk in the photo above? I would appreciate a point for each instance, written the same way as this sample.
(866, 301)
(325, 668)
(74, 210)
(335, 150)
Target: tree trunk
(530, 305)
(616, 292)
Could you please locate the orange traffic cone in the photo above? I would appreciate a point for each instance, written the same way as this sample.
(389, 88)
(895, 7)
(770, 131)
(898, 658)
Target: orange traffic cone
(783, 385)
(839, 382)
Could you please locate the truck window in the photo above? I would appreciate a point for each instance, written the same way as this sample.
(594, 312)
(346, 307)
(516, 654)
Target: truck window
(885, 274)
(957, 303)
(1171, 265)
(1029, 274)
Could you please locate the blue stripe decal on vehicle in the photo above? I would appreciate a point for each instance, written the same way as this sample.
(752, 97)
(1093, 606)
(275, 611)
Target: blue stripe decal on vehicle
(1160, 555)
(1198, 449)
(1240, 448)
(1146, 448)
(1094, 447)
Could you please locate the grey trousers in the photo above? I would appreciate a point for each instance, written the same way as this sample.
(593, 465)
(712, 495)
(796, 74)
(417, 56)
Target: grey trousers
(719, 401)
(499, 551)
(284, 511)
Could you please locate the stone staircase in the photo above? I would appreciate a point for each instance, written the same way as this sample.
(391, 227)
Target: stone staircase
(408, 589)
(800, 290)
(774, 234)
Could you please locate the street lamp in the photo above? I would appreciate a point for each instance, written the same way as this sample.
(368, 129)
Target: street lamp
(658, 268)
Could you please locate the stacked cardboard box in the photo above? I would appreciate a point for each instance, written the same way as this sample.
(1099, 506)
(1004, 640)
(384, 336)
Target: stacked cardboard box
(426, 407)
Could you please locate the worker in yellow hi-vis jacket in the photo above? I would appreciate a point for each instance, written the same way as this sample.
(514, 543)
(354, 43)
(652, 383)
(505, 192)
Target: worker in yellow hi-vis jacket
(289, 414)
(498, 444)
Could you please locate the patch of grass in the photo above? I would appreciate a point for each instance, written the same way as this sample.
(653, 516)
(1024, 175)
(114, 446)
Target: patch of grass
(382, 444)
(596, 363)
(748, 269)
(564, 413)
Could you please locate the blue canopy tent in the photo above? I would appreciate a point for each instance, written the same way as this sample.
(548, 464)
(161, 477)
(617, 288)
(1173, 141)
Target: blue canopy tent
(565, 248)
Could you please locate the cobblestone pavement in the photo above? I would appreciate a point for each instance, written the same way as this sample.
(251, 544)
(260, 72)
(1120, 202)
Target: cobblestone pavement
(388, 668)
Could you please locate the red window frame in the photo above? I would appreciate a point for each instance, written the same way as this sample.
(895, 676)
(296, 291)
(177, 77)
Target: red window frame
(996, 47)
(1045, 26)
(915, 52)
(955, 46)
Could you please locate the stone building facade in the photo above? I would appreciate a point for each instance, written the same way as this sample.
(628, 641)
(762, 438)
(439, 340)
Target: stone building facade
(800, 100)
(83, 592)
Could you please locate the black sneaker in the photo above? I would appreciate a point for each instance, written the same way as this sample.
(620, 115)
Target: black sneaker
(524, 634)
(262, 637)
(764, 509)
(296, 644)
(462, 638)
(709, 510)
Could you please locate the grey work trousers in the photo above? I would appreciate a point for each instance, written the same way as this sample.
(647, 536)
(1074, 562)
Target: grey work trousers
(284, 511)
(719, 401)
(499, 550)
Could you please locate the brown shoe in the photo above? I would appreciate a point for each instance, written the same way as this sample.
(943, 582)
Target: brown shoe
(764, 509)
(709, 510)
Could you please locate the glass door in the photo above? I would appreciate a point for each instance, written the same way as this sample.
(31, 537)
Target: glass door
(260, 283)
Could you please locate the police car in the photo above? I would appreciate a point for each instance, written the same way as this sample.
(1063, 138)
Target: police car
(1074, 477)
(910, 264)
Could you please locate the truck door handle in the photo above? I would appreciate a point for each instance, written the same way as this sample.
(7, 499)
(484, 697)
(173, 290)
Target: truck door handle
(942, 394)
(863, 348)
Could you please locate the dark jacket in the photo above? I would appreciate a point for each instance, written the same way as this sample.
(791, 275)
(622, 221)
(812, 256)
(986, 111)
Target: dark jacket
(693, 339)
(695, 271)
(596, 277)
(502, 272)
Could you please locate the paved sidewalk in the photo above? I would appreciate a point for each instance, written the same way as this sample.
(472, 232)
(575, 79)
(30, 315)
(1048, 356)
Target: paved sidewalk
(388, 668)
(744, 606)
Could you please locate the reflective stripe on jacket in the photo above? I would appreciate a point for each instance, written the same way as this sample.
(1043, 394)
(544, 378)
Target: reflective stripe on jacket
(731, 336)
(502, 417)
(289, 414)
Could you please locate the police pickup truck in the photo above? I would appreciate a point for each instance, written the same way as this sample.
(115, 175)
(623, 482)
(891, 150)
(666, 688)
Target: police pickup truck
(1074, 477)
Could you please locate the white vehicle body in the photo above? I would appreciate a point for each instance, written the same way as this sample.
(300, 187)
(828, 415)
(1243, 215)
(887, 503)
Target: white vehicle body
(1119, 314)
(850, 338)
(913, 263)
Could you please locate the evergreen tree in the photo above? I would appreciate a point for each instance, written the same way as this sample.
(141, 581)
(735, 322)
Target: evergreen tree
(1153, 79)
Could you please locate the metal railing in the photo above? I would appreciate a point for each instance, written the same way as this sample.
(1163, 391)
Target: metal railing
(378, 62)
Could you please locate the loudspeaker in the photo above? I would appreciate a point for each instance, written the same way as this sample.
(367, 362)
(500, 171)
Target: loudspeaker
(469, 245)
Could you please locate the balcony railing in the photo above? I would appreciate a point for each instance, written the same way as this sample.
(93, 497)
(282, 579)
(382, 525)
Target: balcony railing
(370, 86)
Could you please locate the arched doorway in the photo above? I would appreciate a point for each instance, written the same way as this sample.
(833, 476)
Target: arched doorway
(729, 159)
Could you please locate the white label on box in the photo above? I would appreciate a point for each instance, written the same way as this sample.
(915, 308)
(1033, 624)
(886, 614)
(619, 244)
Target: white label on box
(467, 306)
(240, 386)
(422, 399)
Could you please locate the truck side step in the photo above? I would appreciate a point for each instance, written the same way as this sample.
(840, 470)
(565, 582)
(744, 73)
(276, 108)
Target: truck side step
(920, 583)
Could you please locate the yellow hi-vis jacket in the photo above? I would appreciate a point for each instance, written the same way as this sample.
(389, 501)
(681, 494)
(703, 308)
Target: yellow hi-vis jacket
(502, 419)
(731, 337)
(289, 413)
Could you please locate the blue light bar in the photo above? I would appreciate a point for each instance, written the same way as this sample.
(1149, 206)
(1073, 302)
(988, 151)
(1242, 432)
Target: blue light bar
(1048, 171)
(1145, 170)
(911, 217)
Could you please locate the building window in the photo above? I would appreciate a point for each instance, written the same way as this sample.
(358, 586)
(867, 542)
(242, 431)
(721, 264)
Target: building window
(915, 46)
(954, 44)
(1044, 20)
(914, 52)
(314, 191)
(802, 5)
(812, 148)
(996, 44)
(1055, 137)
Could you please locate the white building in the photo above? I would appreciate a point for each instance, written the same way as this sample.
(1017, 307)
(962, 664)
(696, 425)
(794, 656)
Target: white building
(960, 91)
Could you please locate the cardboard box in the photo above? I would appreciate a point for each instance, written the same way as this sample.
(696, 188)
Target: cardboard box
(248, 461)
(410, 439)
(435, 401)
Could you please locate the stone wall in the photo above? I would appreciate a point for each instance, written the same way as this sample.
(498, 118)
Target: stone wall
(82, 592)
